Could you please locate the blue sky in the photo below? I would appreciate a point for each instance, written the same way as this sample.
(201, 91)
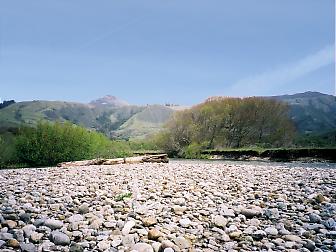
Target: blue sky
(155, 51)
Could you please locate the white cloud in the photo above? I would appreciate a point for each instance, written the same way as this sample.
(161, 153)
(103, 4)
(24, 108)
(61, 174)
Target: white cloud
(264, 82)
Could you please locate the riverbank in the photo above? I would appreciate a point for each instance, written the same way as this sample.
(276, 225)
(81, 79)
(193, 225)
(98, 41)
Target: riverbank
(279, 155)
(183, 205)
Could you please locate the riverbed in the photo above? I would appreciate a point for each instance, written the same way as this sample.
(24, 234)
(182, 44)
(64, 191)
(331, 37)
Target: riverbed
(181, 206)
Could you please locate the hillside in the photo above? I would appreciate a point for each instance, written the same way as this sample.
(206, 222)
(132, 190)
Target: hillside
(113, 118)
(29, 112)
(312, 112)
(145, 122)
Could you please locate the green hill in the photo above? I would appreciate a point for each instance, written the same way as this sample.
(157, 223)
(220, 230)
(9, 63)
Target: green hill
(127, 121)
(30, 112)
(311, 112)
(149, 120)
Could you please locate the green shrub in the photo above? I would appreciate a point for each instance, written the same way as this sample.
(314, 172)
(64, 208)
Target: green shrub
(194, 151)
(7, 150)
(52, 143)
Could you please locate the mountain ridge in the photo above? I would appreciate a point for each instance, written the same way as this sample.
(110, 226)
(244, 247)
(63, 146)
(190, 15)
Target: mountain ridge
(312, 112)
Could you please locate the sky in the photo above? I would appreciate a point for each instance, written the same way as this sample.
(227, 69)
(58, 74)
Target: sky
(159, 51)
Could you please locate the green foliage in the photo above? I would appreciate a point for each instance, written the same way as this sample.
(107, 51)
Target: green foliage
(143, 145)
(227, 123)
(327, 139)
(194, 151)
(127, 122)
(7, 150)
(123, 196)
(115, 149)
(49, 144)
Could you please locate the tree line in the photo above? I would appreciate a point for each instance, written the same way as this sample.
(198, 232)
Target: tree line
(223, 122)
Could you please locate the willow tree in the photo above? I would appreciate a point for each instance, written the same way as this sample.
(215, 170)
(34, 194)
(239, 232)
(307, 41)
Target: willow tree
(230, 122)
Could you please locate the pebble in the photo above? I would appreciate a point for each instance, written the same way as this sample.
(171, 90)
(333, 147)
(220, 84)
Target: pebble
(36, 237)
(84, 208)
(128, 226)
(28, 230)
(254, 211)
(149, 221)
(220, 221)
(10, 224)
(6, 236)
(154, 234)
(182, 242)
(75, 247)
(53, 224)
(293, 238)
(76, 218)
(142, 247)
(271, 231)
(59, 238)
(104, 245)
(13, 243)
(28, 247)
(180, 206)
(315, 218)
(185, 222)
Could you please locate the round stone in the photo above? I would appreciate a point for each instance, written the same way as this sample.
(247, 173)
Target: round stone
(28, 247)
(259, 234)
(59, 238)
(182, 242)
(76, 218)
(314, 218)
(13, 243)
(104, 245)
(251, 212)
(10, 224)
(84, 208)
(142, 247)
(154, 234)
(128, 226)
(271, 231)
(149, 221)
(36, 237)
(220, 221)
(53, 224)
(185, 222)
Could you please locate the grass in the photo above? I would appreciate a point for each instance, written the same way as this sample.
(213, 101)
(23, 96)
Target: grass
(123, 196)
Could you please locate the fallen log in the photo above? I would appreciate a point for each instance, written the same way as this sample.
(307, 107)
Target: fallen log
(159, 158)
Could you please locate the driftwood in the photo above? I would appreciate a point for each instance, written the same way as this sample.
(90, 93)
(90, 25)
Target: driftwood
(160, 158)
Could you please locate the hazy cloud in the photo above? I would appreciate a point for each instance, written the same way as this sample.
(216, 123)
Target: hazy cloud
(266, 81)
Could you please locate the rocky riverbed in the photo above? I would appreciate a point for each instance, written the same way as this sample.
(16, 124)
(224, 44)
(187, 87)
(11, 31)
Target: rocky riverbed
(180, 206)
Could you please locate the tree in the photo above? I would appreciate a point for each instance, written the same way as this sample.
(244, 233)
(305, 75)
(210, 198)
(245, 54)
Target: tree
(229, 122)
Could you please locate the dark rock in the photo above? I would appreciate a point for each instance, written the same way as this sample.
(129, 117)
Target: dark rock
(53, 224)
(6, 236)
(76, 248)
(28, 247)
(39, 222)
(25, 217)
(59, 238)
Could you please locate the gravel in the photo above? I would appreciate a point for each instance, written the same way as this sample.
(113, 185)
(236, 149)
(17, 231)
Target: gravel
(180, 206)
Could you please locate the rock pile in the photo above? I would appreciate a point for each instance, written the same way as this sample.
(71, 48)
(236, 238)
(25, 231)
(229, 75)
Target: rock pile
(180, 206)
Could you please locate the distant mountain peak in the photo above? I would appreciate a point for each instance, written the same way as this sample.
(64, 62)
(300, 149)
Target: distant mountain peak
(307, 94)
(109, 100)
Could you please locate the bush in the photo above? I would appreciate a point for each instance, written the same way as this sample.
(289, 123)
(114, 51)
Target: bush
(194, 151)
(49, 144)
(7, 150)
